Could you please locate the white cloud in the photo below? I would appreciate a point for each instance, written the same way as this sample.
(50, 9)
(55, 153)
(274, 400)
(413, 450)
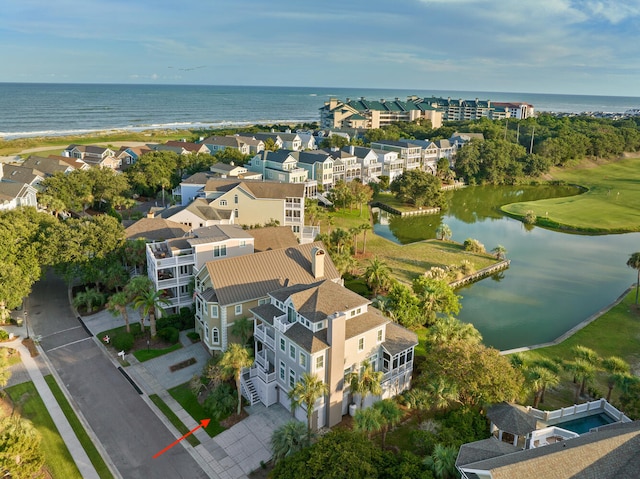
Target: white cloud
(615, 11)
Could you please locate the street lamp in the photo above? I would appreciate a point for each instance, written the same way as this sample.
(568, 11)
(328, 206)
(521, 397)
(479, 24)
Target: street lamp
(26, 324)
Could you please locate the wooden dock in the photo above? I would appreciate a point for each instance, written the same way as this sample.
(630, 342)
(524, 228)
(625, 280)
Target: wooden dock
(391, 209)
(483, 273)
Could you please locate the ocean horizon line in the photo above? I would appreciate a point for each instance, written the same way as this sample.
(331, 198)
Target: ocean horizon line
(370, 88)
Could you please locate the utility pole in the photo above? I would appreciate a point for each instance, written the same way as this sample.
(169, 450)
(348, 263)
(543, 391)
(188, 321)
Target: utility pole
(532, 135)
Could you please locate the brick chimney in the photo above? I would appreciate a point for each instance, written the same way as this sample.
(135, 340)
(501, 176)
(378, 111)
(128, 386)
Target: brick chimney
(317, 262)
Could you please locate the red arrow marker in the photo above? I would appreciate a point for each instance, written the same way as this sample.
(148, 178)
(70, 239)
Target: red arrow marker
(203, 423)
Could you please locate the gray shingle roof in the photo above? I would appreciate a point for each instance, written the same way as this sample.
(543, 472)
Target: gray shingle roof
(267, 312)
(309, 341)
(254, 276)
(609, 453)
(397, 338)
(257, 189)
(484, 449)
(512, 418)
(155, 229)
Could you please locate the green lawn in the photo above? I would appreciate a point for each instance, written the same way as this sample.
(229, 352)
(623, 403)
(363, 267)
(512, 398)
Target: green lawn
(611, 204)
(143, 355)
(173, 419)
(58, 460)
(78, 428)
(190, 403)
(406, 261)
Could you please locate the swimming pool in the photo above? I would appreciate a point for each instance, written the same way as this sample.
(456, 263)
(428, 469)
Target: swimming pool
(584, 424)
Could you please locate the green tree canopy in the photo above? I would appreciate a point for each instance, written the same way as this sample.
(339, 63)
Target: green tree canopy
(419, 188)
(21, 455)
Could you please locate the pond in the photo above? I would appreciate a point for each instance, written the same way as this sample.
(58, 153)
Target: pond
(555, 281)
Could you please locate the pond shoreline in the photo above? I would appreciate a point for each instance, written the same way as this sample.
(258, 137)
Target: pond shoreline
(574, 329)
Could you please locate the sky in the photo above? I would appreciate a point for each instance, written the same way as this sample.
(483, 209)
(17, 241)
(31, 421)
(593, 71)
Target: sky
(536, 46)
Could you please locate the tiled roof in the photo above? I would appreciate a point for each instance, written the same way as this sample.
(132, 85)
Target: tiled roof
(397, 338)
(273, 237)
(20, 174)
(155, 229)
(254, 276)
(609, 453)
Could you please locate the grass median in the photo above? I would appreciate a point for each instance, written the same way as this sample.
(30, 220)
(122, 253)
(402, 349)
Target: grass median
(58, 460)
(79, 430)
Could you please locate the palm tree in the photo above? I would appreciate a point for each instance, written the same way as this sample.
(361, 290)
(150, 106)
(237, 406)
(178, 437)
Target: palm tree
(500, 251)
(368, 381)
(377, 275)
(540, 378)
(583, 371)
(89, 298)
(353, 232)
(391, 415)
(117, 305)
(448, 328)
(547, 380)
(307, 391)
(616, 367)
(443, 461)
(149, 302)
(288, 439)
(233, 360)
(364, 227)
(137, 286)
(242, 328)
(444, 232)
(589, 356)
(368, 421)
(441, 393)
(634, 262)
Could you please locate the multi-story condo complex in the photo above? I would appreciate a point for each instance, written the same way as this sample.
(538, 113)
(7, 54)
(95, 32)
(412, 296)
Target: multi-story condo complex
(325, 330)
(365, 114)
(370, 164)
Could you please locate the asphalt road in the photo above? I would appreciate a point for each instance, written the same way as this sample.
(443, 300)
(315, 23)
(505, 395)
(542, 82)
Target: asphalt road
(128, 430)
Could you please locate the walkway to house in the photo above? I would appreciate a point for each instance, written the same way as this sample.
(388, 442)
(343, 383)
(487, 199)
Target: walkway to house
(232, 454)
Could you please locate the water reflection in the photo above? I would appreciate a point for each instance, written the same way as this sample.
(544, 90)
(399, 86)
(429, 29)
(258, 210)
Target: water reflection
(555, 280)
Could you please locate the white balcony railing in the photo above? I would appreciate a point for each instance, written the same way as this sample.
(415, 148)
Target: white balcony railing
(281, 323)
(400, 370)
(261, 335)
(259, 372)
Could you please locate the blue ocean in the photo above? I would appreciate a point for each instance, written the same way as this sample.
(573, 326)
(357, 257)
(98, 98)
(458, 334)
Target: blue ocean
(40, 109)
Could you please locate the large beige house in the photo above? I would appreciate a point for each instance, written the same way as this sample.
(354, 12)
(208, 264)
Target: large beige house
(260, 202)
(326, 330)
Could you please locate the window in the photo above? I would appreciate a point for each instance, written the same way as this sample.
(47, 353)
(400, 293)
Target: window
(292, 378)
(292, 352)
(184, 290)
(243, 243)
(185, 269)
(223, 202)
(303, 359)
(379, 335)
(320, 362)
(220, 250)
(237, 214)
(206, 331)
(361, 344)
(235, 199)
(263, 301)
(214, 310)
(215, 336)
(283, 345)
(282, 371)
(238, 309)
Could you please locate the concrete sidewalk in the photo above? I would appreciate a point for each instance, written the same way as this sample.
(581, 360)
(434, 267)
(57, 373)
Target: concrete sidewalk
(34, 368)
